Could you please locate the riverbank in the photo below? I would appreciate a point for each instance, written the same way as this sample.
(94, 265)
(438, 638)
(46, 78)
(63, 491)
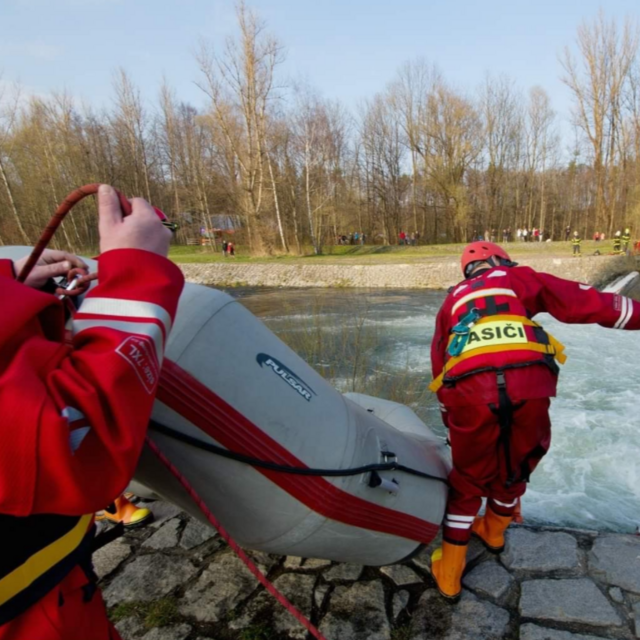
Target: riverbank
(176, 580)
(438, 272)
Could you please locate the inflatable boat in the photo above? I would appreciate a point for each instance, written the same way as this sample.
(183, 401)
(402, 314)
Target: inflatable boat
(285, 462)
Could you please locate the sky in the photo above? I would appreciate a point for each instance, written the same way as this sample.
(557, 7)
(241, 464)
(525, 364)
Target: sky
(346, 49)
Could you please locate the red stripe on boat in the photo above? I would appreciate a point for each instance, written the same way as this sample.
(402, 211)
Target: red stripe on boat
(186, 395)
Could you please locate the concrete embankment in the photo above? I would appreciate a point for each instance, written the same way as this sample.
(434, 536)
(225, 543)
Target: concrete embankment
(438, 273)
(177, 580)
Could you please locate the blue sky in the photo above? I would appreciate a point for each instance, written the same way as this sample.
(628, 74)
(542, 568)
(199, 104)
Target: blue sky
(347, 49)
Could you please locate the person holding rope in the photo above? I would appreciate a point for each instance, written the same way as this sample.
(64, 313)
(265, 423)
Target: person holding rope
(74, 416)
(495, 371)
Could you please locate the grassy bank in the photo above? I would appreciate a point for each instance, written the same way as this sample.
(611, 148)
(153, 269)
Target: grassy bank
(374, 254)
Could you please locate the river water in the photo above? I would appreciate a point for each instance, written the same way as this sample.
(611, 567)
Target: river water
(377, 342)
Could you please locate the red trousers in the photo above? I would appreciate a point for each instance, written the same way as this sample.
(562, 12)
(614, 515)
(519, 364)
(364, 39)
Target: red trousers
(479, 465)
(63, 615)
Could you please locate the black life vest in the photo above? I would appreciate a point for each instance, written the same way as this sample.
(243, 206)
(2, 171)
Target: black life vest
(39, 552)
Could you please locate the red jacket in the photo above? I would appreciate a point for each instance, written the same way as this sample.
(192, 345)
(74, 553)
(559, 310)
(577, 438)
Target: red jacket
(521, 291)
(74, 417)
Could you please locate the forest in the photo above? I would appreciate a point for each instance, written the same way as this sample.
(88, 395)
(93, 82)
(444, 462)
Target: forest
(288, 171)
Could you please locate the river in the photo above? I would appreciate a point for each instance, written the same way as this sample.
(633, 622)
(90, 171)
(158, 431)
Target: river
(377, 341)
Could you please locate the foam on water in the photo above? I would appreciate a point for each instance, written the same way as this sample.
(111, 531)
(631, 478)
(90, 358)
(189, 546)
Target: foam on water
(591, 477)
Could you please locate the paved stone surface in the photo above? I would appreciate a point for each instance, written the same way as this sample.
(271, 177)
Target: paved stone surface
(357, 613)
(195, 534)
(489, 579)
(165, 537)
(474, 619)
(110, 557)
(162, 511)
(223, 584)
(129, 628)
(616, 595)
(438, 274)
(319, 594)
(292, 562)
(343, 572)
(400, 601)
(316, 563)
(299, 590)
(401, 575)
(147, 578)
(534, 632)
(615, 560)
(542, 552)
(571, 601)
(176, 632)
(431, 617)
(217, 598)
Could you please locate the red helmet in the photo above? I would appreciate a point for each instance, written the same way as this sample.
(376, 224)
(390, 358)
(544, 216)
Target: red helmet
(481, 252)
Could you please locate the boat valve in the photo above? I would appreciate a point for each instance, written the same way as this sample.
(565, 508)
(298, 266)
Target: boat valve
(378, 482)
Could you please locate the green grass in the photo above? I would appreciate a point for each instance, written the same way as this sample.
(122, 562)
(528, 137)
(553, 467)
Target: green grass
(257, 632)
(375, 254)
(159, 613)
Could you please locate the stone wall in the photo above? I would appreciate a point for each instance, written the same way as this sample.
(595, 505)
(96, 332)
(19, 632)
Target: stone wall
(177, 580)
(439, 273)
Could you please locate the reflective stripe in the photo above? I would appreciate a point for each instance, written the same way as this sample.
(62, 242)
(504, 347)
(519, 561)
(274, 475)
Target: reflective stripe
(457, 525)
(623, 311)
(127, 309)
(505, 504)
(451, 516)
(629, 313)
(39, 563)
(72, 414)
(554, 348)
(482, 293)
(149, 329)
(76, 437)
(495, 274)
(462, 287)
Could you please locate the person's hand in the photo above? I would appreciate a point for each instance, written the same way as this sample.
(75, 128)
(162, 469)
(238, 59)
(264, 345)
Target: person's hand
(140, 230)
(52, 263)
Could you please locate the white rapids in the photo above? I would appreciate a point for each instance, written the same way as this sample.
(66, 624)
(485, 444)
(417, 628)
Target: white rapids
(591, 477)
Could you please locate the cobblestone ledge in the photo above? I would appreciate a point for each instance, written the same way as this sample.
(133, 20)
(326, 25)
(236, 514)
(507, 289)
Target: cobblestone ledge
(440, 273)
(179, 581)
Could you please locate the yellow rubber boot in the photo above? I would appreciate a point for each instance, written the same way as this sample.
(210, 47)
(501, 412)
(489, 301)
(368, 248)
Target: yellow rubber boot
(490, 529)
(447, 565)
(124, 511)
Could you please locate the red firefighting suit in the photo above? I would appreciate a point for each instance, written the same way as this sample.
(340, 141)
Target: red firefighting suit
(73, 425)
(494, 396)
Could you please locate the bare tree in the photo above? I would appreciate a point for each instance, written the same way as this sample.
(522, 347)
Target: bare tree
(240, 85)
(597, 83)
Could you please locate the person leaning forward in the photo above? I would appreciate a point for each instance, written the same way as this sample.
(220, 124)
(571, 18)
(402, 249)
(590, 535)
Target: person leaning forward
(74, 417)
(495, 370)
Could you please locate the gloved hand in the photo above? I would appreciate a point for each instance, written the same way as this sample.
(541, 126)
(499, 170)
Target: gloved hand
(52, 263)
(140, 230)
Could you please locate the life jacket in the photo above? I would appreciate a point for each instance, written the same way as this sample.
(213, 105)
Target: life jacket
(503, 336)
(39, 552)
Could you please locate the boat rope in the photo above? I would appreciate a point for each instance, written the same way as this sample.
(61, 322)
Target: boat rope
(301, 471)
(264, 581)
(69, 202)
